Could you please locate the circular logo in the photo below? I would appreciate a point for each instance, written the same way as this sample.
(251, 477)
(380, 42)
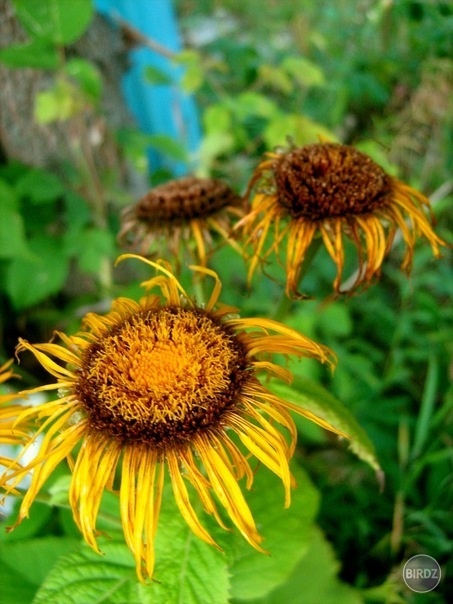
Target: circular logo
(421, 573)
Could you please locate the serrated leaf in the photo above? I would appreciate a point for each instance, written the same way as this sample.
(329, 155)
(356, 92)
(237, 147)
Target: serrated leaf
(60, 21)
(187, 570)
(314, 579)
(40, 54)
(287, 534)
(40, 186)
(315, 398)
(85, 577)
(31, 280)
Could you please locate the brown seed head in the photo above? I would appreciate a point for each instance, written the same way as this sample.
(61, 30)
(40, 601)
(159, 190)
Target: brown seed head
(185, 198)
(161, 376)
(328, 180)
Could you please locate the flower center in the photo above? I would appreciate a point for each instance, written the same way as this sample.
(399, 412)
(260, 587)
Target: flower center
(185, 198)
(327, 180)
(162, 375)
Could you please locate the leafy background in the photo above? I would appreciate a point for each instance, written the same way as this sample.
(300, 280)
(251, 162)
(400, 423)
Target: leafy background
(375, 74)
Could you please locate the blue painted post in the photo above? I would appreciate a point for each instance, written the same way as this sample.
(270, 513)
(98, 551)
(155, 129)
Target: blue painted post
(158, 109)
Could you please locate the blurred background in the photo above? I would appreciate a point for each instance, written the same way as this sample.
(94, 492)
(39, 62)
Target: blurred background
(99, 101)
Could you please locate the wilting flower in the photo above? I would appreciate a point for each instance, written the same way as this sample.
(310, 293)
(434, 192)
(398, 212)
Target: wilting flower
(181, 215)
(163, 382)
(330, 190)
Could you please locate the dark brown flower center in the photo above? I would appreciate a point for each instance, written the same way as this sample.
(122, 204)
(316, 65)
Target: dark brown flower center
(328, 180)
(161, 376)
(186, 198)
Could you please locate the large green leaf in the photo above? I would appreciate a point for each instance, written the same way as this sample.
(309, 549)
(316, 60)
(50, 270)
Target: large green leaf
(12, 234)
(187, 570)
(8, 196)
(61, 21)
(315, 398)
(314, 579)
(25, 564)
(287, 534)
(39, 53)
(31, 280)
(40, 186)
(14, 588)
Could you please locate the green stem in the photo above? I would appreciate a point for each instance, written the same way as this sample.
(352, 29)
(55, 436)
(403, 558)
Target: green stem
(286, 303)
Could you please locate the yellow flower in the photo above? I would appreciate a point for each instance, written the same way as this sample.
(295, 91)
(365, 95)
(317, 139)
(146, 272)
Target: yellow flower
(163, 382)
(9, 434)
(180, 215)
(331, 190)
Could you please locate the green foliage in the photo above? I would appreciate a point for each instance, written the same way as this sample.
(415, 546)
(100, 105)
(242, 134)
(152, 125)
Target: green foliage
(379, 78)
(58, 21)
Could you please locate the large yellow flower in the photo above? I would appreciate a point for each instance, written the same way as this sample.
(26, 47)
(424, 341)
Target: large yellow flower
(165, 383)
(329, 190)
(181, 216)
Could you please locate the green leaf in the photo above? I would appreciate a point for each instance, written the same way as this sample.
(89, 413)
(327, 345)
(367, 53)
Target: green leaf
(217, 118)
(77, 213)
(40, 186)
(212, 146)
(287, 534)
(8, 197)
(193, 75)
(58, 103)
(34, 558)
(253, 103)
(40, 54)
(304, 71)
(313, 397)
(93, 246)
(85, 577)
(187, 570)
(314, 579)
(156, 77)
(168, 146)
(14, 588)
(275, 77)
(300, 128)
(87, 77)
(31, 280)
(60, 21)
(13, 243)
(29, 528)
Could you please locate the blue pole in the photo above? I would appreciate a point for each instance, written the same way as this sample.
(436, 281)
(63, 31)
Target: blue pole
(163, 109)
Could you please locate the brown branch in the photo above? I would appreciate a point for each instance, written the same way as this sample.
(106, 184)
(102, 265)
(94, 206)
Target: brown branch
(134, 37)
